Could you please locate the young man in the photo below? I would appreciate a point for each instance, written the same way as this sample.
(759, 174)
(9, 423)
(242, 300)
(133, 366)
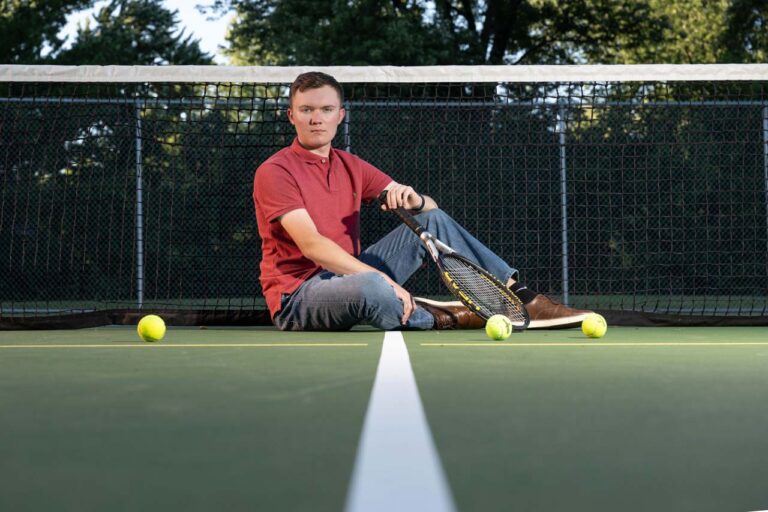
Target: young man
(313, 272)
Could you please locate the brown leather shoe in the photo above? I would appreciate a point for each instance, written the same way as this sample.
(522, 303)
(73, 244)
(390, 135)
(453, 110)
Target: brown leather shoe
(548, 314)
(450, 315)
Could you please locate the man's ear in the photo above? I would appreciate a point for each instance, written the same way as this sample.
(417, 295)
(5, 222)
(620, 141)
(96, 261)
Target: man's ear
(290, 115)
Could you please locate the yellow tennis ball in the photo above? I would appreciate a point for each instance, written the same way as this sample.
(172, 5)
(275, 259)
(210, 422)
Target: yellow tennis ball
(498, 327)
(594, 326)
(151, 328)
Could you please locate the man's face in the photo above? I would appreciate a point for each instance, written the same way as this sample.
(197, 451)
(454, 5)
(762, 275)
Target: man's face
(316, 114)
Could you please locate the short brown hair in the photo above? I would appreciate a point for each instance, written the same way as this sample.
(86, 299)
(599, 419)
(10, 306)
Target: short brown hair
(314, 80)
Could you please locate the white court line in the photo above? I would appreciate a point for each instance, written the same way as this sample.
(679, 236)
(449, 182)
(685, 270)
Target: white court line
(397, 466)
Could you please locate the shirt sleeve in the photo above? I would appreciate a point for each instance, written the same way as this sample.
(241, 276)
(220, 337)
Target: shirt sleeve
(374, 181)
(275, 191)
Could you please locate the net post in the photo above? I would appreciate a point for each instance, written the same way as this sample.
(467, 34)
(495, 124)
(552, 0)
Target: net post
(139, 212)
(560, 128)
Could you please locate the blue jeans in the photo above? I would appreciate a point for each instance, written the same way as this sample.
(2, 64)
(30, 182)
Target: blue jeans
(332, 302)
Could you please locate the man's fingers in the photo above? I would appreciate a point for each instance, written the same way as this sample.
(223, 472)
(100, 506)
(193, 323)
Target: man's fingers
(407, 191)
(408, 306)
(407, 310)
(398, 196)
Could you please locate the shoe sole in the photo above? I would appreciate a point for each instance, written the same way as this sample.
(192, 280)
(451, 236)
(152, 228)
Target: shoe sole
(558, 323)
(439, 303)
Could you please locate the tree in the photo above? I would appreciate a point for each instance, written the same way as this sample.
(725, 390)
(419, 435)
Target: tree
(408, 32)
(745, 38)
(321, 32)
(134, 32)
(28, 28)
(703, 32)
(691, 35)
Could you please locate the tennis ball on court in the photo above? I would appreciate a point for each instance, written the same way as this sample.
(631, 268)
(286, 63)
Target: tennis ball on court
(151, 328)
(594, 326)
(498, 327)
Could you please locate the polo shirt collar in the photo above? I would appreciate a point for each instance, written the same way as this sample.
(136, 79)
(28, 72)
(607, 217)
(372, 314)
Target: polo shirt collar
(306, 154)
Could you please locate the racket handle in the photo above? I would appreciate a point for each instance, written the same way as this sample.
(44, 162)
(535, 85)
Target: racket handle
(404, 215)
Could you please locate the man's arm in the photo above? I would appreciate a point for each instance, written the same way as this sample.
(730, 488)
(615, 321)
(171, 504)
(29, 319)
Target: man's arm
(327, 253)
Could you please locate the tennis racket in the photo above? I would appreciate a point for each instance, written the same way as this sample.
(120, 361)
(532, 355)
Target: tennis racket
(474, 286)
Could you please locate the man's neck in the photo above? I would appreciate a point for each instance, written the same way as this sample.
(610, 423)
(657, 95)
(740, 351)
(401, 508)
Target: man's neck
(323, 151)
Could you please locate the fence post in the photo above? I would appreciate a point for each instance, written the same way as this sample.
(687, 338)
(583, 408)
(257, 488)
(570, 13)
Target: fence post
(347, 139)
(765, 172)
(561, 127)
(139, 213)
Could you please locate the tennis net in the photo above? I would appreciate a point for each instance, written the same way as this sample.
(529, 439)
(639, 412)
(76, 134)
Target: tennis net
(637, 191)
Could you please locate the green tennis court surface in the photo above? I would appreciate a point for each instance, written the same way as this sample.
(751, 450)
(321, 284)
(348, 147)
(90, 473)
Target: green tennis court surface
(236, 419)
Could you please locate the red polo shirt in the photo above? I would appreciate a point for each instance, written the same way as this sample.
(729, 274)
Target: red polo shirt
(330, 189)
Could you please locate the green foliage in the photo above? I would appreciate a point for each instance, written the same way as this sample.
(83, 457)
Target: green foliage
(134, 32)
(297, 31)
(417, 32)
(29, 27)
(703, 32)
(582, 31)
(398, 32)
(745, 38)
(125, 32)
(691, 35)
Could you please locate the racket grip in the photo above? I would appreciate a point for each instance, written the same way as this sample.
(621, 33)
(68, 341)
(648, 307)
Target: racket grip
(404, 215)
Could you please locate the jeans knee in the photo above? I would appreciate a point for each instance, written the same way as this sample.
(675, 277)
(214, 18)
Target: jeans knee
(436, 220)
(436, 216)
(373, 288)
(380, 306)
(434, 213)
(375, 299)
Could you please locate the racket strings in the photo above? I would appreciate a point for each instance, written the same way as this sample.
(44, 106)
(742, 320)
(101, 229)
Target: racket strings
(485, 295)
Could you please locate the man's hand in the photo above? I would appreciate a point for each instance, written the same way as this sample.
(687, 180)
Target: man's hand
(402, 196)
(408, 304)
